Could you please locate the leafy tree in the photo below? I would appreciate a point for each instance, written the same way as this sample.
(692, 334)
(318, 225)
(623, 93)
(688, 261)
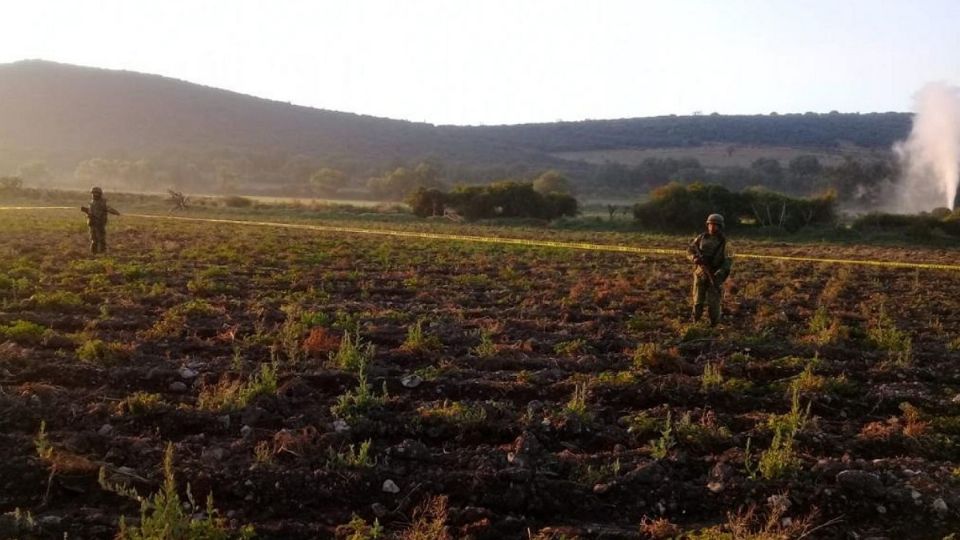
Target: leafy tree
(402, 181)
(552, 182)
(327, 181)
(805, 165)
(426, 202)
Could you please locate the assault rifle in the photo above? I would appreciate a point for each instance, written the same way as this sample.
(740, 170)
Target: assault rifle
(703, 266)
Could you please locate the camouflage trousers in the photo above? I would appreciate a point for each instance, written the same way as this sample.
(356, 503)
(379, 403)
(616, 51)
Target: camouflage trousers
(705, 294)
(98, 238)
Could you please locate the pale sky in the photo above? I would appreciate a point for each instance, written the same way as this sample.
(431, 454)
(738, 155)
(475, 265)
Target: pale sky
(514, 61)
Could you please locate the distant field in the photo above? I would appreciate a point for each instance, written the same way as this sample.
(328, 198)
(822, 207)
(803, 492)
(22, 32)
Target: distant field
(714, 155)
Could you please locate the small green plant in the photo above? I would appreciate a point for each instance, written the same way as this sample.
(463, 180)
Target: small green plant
(419, 342)
(486, 348)
(354, 405)
(660, 448)
(174, 320)
(885, 336)
(702, 434)
(794, 420)
(23, 332)
(570, 348)
(353, 354)
(457, 413)
(351, 458)
(577, 407)
(358, 529)
(645, 356)
(164, 517)
(95, 351)
(824, 329)
(234, 395)
(642, 423)
(42, 443)
(712, 377)
(139, 403)
(290, 333)
(590, 475)
(263, 453)
(807, 382)
(780, 459)
(55, 301)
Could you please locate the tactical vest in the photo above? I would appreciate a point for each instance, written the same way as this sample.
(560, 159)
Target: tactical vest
(713, 249)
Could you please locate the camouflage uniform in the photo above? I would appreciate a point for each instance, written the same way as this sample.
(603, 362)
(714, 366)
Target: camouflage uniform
(97, 214)
(712, 249)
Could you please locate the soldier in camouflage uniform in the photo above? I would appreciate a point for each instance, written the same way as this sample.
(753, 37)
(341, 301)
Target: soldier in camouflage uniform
(709, 253)
(97, 220)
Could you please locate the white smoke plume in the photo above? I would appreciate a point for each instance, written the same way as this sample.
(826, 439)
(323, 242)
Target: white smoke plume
(930, 157)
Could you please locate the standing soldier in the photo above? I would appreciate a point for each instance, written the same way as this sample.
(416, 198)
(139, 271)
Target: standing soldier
(97, 220)
(709, 253)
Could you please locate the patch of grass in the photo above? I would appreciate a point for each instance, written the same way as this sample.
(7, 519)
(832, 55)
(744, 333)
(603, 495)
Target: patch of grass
(174, 320)
(139, 403)
(885, 336)
(826, 330)
(358, 529)
(660, 448)
(712, 377)
(357, 403)
(353, 354)
(419, 342)
(577, 407)
(351, 458)
(570, 348)
(486, 348)
(56, 301)
(458, 413)
(95, 351)
(590, 475)
(235, 395)
(429, 521)
(807, 382)
(23, 333)
(705, 433)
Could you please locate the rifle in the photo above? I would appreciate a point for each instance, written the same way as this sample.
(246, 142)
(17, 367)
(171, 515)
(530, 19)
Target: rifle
(703, 266)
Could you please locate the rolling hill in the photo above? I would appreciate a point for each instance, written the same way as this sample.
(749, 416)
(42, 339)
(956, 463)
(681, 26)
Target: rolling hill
(62, 114)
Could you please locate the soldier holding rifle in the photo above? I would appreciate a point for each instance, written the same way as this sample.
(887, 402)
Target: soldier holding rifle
(709, 253)
(97, 220)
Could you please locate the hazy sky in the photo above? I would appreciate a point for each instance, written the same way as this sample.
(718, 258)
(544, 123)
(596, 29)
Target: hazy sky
(493, 62)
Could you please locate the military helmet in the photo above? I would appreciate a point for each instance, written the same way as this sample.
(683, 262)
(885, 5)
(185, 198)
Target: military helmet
(716, 219)
(96, 189)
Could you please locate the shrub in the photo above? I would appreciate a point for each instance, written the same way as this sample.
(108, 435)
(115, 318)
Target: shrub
(96, 351)
(230, 396)
(23, 332)
(235, 201)
(506, 199)
(683, 207)
(163, 516)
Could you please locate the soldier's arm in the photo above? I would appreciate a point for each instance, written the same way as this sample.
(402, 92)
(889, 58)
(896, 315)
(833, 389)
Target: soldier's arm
(694, 249)
(111, 210)
(85, 210)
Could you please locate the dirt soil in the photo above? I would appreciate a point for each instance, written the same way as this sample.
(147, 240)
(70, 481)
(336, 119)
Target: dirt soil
(535, 393)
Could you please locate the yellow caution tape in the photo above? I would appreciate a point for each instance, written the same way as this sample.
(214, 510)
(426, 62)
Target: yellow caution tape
(556, 244)
(524, 242)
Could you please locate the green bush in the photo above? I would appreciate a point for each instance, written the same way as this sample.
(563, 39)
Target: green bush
(677, 206)
(23, 332)
(506, 199)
